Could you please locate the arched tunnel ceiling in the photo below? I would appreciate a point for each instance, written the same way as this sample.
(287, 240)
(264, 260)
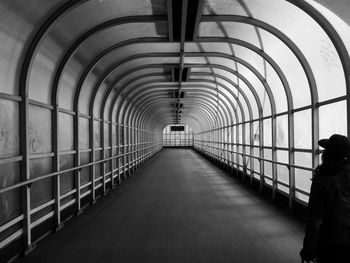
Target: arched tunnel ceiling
(218, 61)
(88, 86)
(339, 7)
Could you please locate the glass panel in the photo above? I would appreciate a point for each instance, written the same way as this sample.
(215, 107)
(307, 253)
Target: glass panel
(228, 7)
(303, 177)
(310, 38)
(282, 170)
(121, 135)
(174, 136)
(9, 129)
(268, 165)
(256, 135)
(258, 87)
(97, 166)
(157, 80)
(136, 63)
(126, 51)
(44, 65)
(148, 70)
(39, 130)
(286, 60)
(114, 135)
(267, 133)
(342, 9)
(302, 129)
(66, 179)
(302, 197)
(19, 22)
(107, 165)
(242, 86)
(107, 38)
(251, 57)
(211, 47)
(277, 89)
(282, 131)
(224, 87)
(85, 93)
(106, 134)
(68, 83)
(41, 191)
(10, 175)
(85, 172)
(328, 123)
(66, 142)
(240, 134)
(256, 161)
(303, 159)
(283, 188)
(247, 133)
(84, 133)
(268, 181)
(97, 132)
(229, 29)
(99, 11)
(40, 76)
(240, 158)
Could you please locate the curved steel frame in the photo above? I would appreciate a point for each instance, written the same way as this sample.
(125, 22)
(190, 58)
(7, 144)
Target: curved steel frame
(70, 5)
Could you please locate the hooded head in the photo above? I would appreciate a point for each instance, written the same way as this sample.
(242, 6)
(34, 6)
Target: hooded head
(337, 145)
(336, 154)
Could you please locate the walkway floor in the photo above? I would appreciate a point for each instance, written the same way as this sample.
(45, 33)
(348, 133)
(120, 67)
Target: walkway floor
(178, 208)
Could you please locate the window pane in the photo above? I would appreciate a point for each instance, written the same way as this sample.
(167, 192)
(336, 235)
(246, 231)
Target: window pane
(282, 131)
(267, 132)
(302, 129)
(329, 124)
(282, 170)
(303, 177)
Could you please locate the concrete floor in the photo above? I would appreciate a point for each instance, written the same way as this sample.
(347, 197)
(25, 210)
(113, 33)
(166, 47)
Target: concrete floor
(178, 208)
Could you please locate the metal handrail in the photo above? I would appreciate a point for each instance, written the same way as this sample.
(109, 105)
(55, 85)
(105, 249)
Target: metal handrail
(281, 183)
(30, 181)
(265, 160)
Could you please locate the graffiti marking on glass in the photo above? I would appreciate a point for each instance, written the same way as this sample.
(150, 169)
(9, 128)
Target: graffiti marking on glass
(9, 144)
(35, 138)
(5, 138)
(329, 55)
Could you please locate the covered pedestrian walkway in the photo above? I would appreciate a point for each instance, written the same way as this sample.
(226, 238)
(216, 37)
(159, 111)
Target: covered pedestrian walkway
(182, 208)
(91, 90)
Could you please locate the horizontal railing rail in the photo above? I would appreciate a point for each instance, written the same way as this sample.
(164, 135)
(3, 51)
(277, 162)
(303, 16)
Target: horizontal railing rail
(244, 166)
(150, 151)
(30, 181)
(263, 159)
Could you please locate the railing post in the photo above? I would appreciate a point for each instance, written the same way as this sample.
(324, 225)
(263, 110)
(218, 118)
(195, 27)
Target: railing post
(261, 150)
(111, 162)
(291, 159)
(25, 175)
(129, 149)
(77, 163)
(56, 168)
(291, 188)
(124, 151)
(92, 158)
(274, 156)
(134, 149)
(103, 156)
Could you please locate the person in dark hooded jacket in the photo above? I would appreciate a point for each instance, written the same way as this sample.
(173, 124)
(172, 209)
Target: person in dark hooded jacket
(327, 234)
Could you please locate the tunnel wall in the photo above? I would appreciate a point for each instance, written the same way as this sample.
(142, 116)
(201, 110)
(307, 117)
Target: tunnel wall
(87, 87)
(45, 130)
(178, 136)
(273, 141)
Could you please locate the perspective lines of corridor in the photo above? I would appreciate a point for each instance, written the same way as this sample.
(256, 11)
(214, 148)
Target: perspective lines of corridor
(179, 207)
